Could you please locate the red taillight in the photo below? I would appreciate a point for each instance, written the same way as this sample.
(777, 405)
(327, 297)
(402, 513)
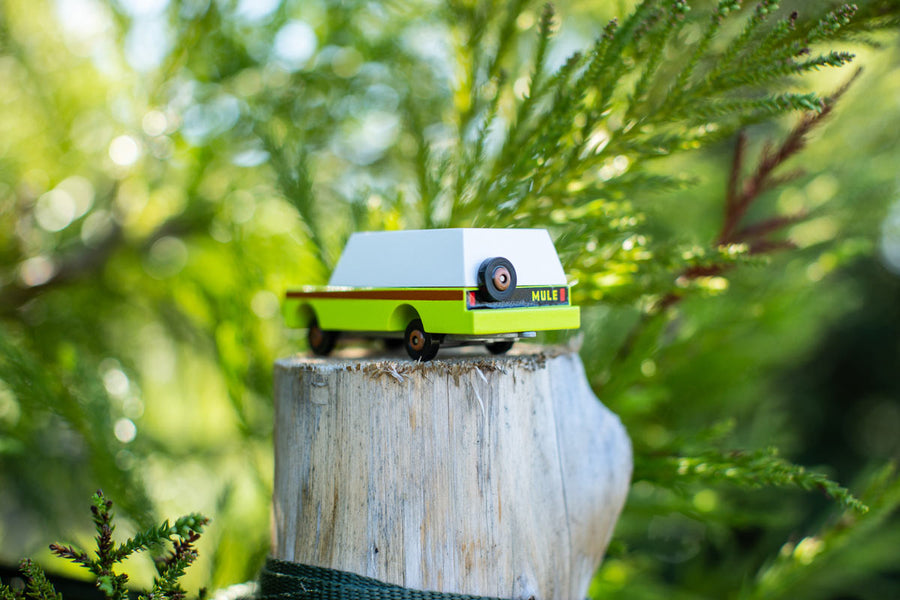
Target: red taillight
(471, 296)
(562, 294)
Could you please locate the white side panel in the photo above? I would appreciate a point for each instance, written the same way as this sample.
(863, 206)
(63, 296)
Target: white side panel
(445, 257)
(418, 258)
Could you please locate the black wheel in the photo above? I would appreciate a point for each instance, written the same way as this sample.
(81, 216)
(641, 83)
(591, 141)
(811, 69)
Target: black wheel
(419, 344)
(497, 277)
(321, 342)
(392, 343)
(432, 352)
(499, 347)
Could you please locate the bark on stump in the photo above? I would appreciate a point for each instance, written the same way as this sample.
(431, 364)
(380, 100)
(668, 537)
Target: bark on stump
(486, 476)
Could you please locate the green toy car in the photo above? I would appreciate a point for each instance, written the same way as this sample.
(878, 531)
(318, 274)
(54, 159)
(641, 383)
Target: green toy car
(437, 287)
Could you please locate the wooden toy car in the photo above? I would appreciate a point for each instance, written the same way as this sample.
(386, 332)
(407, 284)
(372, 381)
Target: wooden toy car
(438, 287)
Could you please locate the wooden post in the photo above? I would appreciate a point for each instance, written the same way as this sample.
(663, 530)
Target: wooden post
(475, 475)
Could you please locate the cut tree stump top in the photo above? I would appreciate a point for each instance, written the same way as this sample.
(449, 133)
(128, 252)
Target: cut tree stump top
(493, 476)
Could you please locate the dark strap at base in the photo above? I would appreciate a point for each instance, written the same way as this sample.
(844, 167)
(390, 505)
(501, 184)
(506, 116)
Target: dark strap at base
(280, 580)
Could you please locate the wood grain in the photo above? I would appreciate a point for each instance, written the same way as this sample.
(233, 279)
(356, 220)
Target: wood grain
(488, 476)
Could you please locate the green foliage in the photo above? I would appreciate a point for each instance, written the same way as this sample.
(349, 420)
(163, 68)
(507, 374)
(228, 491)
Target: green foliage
(166, 586)
(807, 563)
(36, 585)
(761, 468)
(706, 174)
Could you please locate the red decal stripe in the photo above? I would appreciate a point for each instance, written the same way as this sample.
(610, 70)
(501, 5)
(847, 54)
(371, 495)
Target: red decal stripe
(423, 294)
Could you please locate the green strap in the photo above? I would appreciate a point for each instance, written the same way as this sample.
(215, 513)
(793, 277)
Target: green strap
(280, 580)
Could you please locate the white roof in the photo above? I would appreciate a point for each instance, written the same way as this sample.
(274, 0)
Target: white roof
(445, 257)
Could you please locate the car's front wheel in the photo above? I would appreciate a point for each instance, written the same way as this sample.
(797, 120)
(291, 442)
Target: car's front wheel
(321, 342)
(419, 344)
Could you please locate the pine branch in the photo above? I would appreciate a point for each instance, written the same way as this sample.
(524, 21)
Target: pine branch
(296, 186)
(422, 161)
(479, 18)
(672, 24)
(760, 229)
(536, 88)
(718, 17)
(828, 27)
(101, 512)
(171, 569)
(37, 587)
(187, 529)
(763, 468)
(773, 55)
(7, 593)
(769, 72)
(740, 196)
(546, 29)
(76, 556)
(738, 45)
(154, 536)
(749, 110)
(610, 68)
(751, 470)
(787, 41)
(506, 36)
(517, 159)
(737, 204)
(737, 162)
(800, 566)
(777, 43)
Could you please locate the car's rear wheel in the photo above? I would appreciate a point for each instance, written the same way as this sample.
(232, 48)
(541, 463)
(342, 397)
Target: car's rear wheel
(499, 347)
(392, 344)
(321, 341)
(419, 344)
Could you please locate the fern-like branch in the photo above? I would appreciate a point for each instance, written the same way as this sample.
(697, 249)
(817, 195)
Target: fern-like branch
(718, 17)
(37, 587)
(186, 529)
(761, 468)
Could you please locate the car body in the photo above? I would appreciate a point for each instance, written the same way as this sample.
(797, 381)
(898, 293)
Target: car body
(438, 287)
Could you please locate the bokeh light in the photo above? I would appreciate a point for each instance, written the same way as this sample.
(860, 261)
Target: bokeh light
(124, 150)
(295, 44)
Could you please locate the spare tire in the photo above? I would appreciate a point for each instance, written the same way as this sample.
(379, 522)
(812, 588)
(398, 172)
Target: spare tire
(497, 278)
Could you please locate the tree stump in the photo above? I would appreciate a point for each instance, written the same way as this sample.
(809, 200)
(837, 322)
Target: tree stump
(469, 474)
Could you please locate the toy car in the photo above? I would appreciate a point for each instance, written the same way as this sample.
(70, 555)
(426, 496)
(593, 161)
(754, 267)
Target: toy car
(437, 287)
